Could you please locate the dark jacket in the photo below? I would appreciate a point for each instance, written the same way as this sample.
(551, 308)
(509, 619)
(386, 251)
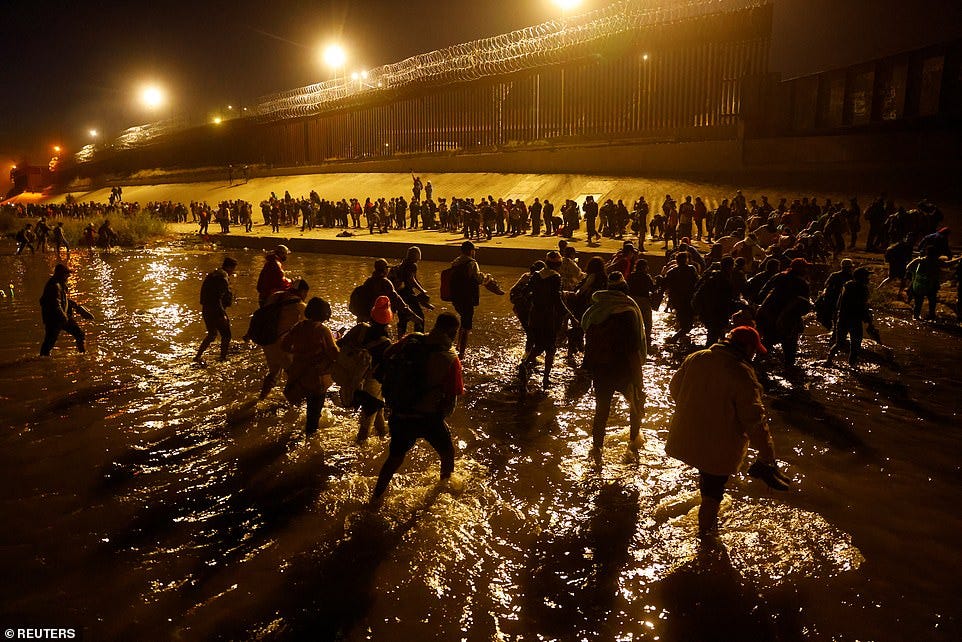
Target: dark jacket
(679, 283)
(547, 309)
(54, 304)
(466, 281)
(853, 303)
(215, 293)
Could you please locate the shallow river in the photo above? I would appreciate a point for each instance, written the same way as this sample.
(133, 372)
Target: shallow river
(144, 498)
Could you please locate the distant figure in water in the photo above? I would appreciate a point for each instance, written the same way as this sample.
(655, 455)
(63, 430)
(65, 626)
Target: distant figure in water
(466, 280)
(215, 298)
(25, 239)
(60, 239)
(57, 311)
(422, 415)
(718, 412)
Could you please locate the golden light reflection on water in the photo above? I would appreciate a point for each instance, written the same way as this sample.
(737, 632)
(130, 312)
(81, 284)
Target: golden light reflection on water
(229, 498)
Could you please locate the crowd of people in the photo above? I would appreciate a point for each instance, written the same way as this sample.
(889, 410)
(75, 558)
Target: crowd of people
(751, 289)
(408, 386)
(749, 303)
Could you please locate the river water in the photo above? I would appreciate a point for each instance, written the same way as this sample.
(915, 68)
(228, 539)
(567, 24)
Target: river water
(145, 498)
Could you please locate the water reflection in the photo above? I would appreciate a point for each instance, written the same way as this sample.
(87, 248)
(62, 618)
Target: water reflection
(163, 492)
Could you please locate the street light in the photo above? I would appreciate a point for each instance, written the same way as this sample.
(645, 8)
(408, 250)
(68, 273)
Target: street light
(56, 148)
(334, 57)
(93, 133)
(218, 120)
(152, 96)
(567, 5)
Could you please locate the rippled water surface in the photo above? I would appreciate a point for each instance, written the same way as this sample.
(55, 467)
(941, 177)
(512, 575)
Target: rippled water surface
(144, 498)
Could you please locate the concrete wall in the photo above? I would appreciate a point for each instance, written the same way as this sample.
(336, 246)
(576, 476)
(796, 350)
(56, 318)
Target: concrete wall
(392, 250)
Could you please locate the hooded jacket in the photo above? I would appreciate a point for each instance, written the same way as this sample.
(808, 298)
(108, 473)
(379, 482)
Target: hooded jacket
(718, 412)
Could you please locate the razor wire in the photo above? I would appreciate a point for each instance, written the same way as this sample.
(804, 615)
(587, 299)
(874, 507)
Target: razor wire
(551, 42)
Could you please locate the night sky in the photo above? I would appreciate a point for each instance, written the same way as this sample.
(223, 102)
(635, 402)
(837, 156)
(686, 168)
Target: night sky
(68, 69)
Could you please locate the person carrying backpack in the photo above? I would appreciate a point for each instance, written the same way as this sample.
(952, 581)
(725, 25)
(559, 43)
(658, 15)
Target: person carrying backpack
(363, 297)
(466, 278)
(615, 350)
(547, 313)
(520, 295)
(314, 352)
(925, 274)
(422, 380)
(290, 309)
(405, 279)
(370, 337)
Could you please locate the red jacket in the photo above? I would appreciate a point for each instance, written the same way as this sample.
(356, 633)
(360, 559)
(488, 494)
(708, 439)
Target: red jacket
(272, 277)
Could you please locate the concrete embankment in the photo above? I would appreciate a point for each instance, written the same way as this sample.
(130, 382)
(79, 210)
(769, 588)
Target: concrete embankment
(519, 251)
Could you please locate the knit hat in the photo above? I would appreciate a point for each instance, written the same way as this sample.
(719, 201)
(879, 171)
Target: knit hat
(746, 338)
(381, 312)
(553, 258)
(616, 281)
(282, 251)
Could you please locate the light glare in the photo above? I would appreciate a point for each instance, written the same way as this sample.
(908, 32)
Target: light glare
(334, 56)
(152, 96)
(567, 5)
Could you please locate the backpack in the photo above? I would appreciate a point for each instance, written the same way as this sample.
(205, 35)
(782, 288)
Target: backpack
(360, 304)
(447, 275)
(402, 372)
(262, 329)
(520, 293)
(351, 367)
(922, 281)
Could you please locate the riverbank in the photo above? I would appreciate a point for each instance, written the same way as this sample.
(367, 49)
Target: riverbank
(132, 231)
